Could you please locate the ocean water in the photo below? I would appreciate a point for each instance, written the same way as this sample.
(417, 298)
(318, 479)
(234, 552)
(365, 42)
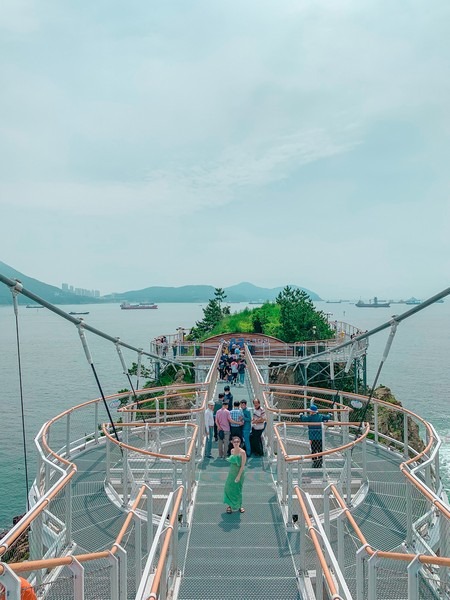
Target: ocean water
(56, 375)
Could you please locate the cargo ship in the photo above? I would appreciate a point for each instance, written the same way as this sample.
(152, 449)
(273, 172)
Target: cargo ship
(140, 306)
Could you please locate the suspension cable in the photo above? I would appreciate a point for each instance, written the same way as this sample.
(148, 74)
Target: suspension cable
(15, 291)
(367, 334)
(12, 284)
(91, 362)
(125, 372)
(394, 325)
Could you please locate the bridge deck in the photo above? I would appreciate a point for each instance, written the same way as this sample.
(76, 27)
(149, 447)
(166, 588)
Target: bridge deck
(240, 555)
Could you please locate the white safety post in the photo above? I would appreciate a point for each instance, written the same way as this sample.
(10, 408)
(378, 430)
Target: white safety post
(123, 584)
(67, 453)
(78, 579)
(413, 579)
(137, 549)
(372, 567)
(114, 577)
(11, 583)
(360, 556)
(149, 507)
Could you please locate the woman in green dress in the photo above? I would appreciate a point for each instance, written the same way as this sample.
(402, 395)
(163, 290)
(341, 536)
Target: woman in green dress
(233, 486)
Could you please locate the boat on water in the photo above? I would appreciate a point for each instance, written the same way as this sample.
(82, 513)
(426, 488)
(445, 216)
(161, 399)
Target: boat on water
(128, 505)
(140, 306)
(78, 313)
(413, 301)
(34, 306)
(373, 304)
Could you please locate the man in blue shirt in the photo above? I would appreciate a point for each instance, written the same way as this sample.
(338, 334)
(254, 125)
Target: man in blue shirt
(247, 427)
(315, 432)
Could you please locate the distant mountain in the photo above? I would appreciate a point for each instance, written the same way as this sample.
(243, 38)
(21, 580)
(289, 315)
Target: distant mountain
(242, 292)
(47, 292)
(247, 292)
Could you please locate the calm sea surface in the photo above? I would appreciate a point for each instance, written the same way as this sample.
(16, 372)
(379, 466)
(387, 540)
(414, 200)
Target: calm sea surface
(56, 374)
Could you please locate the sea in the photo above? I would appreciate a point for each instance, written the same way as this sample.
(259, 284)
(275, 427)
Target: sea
(55, 374)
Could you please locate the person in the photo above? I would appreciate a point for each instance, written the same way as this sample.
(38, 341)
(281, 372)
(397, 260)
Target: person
(223, 427)
(247, 427)
(241, 370)
(232, 495)
(228, 396)
(237, 421)
(26, 591)
(315, 432)
(217, 406)
(258, 426)
(234, 371)
(209, 427)
(174, 348)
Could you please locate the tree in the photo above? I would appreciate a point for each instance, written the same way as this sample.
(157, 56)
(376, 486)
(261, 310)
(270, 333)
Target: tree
(299, 319)
(213, 313)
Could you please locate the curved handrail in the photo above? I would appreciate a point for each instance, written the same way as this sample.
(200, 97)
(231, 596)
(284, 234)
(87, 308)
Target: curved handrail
(139, 425)
(165, 547)
(316, 543)
(423, 558)
(51, 563)
(300, 457)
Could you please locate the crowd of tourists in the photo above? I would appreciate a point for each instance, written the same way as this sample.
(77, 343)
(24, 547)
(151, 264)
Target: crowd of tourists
(232, 365)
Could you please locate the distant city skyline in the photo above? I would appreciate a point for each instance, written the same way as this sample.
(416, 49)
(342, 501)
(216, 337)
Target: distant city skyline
(66, 287)
(219, 142)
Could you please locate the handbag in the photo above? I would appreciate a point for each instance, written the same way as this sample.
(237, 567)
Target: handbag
(221, 435)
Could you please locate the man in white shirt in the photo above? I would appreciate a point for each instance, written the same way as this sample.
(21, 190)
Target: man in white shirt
(209, 427)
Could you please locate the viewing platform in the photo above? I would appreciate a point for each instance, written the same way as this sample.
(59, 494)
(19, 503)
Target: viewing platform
(134, 510)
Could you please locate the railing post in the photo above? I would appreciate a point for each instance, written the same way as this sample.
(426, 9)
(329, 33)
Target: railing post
(36, 542)
(372, 567)
(428, 479)
(137, 549)
(108, 460)
(302, 540)
(283, 481)
(122, 558)
(319, 578)
(360, 555)
(114, 577)
(11, 582)
(175, 548)
(289, 485)
(364, 459)
(146, 442)
(124, 477)
(149, 507)
(68, 517)
(78, 579)
(444, 548)
(375, 421)
(326, 511)
(348, 483)
(405, 437)
(67, 454)
(409, 515)
(96, 423)
(165, 409)
(413, 579)
(340, 540)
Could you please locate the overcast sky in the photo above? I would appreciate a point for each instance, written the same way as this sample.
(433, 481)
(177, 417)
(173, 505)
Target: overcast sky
(218, 141)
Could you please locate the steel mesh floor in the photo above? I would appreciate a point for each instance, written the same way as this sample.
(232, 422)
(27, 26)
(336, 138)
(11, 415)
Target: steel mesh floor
(239, 555)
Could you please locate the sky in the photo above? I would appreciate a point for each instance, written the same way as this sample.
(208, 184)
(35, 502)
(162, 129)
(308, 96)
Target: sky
(219, 141)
